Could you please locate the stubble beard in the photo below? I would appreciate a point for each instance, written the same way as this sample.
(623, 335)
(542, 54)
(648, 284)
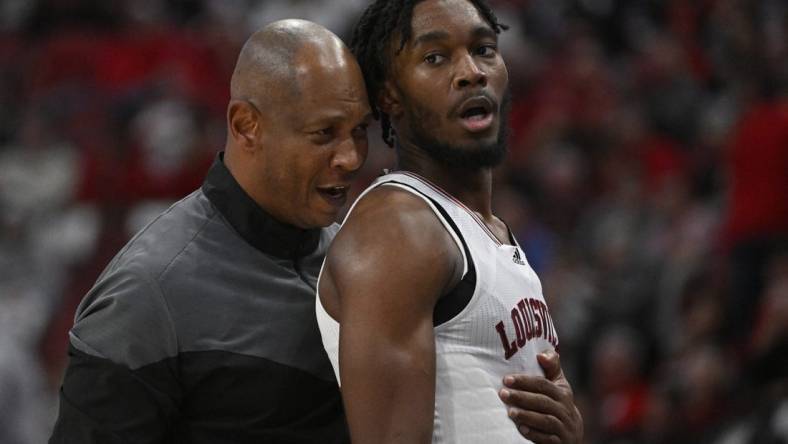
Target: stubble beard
(467, 157)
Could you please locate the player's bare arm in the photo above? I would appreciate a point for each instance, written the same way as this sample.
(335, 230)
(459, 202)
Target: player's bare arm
(384, 273)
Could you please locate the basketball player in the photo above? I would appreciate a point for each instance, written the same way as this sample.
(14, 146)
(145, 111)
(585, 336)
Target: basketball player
(435, 299)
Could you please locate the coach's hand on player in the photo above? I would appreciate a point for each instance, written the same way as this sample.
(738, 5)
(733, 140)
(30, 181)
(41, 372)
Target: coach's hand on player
(543, 408)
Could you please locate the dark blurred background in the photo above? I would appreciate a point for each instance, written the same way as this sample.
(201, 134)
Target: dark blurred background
(647, 182)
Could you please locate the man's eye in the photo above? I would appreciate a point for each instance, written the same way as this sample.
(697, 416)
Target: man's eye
(322, 136)
(361, 130)
(486, 50)
(434, 59)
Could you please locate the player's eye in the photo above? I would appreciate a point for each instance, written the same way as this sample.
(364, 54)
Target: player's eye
(434, 59)
(486, 50)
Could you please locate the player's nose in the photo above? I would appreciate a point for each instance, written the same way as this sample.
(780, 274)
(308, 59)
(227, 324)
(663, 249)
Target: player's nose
(468, 73)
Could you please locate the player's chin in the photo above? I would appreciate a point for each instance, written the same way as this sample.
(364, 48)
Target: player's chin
(474, 142)
(476, 138)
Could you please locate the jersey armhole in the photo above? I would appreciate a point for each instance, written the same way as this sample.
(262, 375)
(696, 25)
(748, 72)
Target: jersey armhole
(453, 302)
(440, 213)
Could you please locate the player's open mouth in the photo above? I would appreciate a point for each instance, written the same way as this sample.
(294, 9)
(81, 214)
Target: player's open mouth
(335, 195)
(476, 114)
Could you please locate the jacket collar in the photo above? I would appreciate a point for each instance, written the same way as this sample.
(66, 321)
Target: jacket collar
(254, 224)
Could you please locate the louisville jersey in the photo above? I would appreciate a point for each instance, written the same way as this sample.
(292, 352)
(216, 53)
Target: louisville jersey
(492, 324)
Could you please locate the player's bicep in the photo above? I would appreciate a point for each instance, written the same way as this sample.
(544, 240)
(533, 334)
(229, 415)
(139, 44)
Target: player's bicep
(387, 280)
(389, 265)
(386, 359)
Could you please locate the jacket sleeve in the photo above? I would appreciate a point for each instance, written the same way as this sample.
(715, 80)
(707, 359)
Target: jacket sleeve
(121, 383)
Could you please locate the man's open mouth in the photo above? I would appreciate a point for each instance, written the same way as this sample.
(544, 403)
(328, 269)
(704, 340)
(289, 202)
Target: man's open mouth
(476, 114)
(335, 194)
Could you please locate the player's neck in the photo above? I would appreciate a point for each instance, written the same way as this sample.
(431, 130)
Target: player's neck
(472, 187)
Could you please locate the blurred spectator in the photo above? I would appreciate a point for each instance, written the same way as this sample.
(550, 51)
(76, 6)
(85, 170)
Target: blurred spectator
(618, 384)
(757, 214)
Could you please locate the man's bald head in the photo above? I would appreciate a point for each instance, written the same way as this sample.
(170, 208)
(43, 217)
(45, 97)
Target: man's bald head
(271, 59)
(286, 150)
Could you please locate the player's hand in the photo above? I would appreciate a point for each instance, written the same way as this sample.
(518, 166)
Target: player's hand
(543, 408)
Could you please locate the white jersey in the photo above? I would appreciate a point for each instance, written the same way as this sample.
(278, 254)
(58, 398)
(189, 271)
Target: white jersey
(493, 324)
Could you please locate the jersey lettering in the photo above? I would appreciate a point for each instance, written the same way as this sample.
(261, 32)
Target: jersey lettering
(530, 319)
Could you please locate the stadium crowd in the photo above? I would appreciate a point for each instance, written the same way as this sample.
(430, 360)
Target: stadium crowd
(647, 181)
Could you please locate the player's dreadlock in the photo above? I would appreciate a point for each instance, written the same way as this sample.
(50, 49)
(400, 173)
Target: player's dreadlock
(371, 42)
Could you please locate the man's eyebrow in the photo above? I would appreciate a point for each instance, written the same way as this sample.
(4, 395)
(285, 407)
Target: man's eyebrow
(429, 37)
(335, 118)
(481, 32)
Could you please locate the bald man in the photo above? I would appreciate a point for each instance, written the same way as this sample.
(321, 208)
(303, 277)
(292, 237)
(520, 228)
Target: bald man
(202, 329)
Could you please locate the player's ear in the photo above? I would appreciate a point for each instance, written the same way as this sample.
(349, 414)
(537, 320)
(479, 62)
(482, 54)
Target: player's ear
(244, 123)
(389, 100)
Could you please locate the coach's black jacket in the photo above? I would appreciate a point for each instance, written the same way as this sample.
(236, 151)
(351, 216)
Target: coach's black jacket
(202, 330)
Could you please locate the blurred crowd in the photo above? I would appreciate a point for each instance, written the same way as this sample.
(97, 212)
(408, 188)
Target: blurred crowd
(647, 182)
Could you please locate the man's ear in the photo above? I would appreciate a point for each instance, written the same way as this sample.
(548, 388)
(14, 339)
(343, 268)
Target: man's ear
(243, 123)
(389, 100)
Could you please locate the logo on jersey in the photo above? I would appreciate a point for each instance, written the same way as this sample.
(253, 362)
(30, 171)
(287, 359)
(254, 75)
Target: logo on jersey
(517, 259)
(530, 320)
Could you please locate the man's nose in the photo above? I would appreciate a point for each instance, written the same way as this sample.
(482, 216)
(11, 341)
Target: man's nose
(468, 73)
(350, 155)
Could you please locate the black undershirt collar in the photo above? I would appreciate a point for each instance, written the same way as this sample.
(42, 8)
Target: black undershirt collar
(254, 224)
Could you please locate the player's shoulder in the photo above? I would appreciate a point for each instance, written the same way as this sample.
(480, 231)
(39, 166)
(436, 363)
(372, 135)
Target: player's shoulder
(391, 203)
(389, 224)
(391, 210)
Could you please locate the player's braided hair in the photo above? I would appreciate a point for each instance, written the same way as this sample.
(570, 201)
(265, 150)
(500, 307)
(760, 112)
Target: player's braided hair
(380, 22)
